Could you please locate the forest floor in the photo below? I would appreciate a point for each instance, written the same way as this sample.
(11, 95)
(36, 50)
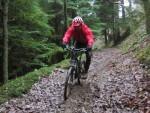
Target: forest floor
(116, 83)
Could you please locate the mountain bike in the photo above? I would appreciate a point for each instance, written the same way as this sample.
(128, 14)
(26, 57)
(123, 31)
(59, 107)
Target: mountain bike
(76, 68)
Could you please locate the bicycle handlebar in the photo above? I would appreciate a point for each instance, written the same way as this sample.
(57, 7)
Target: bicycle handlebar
(77, 49)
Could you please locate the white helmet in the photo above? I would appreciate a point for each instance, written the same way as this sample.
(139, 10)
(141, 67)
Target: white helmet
(77, 21)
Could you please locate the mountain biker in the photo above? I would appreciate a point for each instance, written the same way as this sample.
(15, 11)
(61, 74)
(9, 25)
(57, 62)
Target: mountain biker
(82, 36)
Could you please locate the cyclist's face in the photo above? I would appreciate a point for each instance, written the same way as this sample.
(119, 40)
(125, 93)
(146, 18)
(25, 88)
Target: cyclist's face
(77, 28)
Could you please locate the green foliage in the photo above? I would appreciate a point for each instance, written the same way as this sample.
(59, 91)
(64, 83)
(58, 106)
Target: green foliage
(106, 12)
(30, 28)
(84, 8)
(99, 44)
(29, 17)
(27, 54)
(54, 9)
(72, 5)
(134, 17)
(134, 40)
(144, 55)
(94, 24)
(64, 64)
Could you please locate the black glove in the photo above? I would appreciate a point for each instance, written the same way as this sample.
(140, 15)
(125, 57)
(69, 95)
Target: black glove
(67, 46)
(89, 48)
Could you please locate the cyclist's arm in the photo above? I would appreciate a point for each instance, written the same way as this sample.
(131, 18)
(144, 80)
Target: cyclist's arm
(68, 35)
(89, 36)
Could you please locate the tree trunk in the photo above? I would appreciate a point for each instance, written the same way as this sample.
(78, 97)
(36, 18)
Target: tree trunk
(5, 37)
(105, 35)
(130, 4)
(1, 77)
(56, 24)
(114, 21)
(123, 9)
(65, 15)
(0, 14)
(147, 14)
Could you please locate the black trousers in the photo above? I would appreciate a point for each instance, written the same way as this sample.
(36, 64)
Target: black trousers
(88, 54)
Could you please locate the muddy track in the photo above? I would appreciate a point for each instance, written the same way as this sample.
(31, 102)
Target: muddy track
(116, 83)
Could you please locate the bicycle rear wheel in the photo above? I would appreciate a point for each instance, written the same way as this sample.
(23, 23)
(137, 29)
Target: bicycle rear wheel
(68, 82)
(82, 70)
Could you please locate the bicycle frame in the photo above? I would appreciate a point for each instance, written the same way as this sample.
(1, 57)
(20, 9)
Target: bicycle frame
(76, 55)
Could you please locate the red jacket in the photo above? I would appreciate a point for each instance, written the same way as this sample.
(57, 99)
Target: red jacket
(85, 35)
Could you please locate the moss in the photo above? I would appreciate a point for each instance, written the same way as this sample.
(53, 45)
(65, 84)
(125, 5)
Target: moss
(21, 85)
(138, 43)
(144, 55)
(99, 44)
(64, 64)
(134, 40)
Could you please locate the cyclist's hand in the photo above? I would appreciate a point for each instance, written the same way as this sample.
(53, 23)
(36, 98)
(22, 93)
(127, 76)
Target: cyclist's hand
(89, 48)
(67, 46)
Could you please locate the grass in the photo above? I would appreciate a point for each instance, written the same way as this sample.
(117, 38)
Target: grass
(21, 85)
(99, 44)
(144, 55)
(133, 41)
(138, 43)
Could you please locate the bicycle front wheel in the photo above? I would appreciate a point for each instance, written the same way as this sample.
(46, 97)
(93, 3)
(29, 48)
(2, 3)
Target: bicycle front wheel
(68, 82)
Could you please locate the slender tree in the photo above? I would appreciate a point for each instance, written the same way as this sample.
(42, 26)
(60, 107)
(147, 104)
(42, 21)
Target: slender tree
(123, 9)
(0, 40)
(147, 14)
(5, 37)
(0, 10)
(130, 4)
(105, 36)
(65, 15)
